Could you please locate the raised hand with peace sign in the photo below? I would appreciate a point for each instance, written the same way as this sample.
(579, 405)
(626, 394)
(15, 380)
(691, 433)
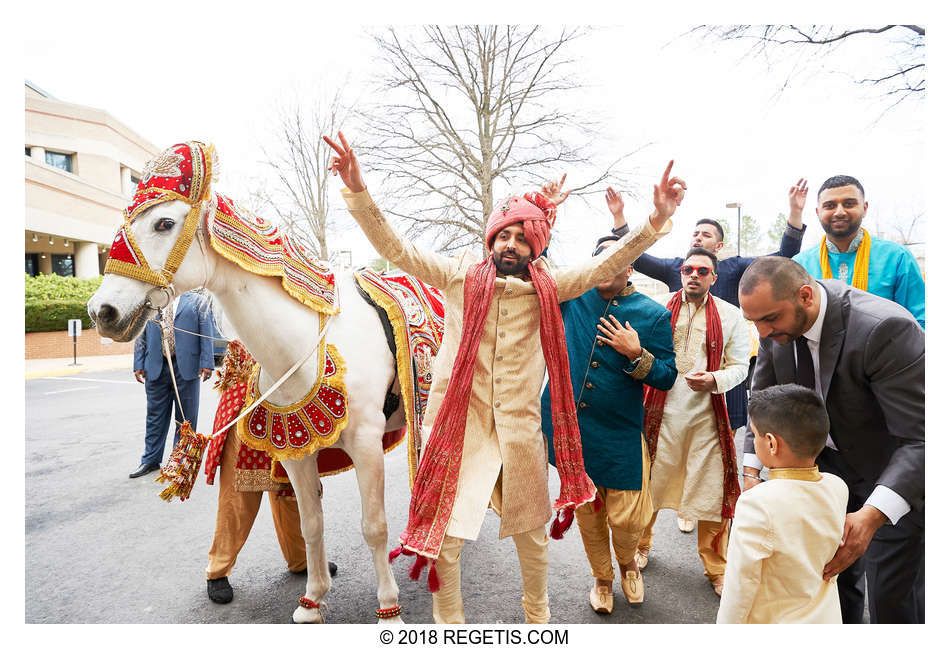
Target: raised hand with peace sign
(344, 164)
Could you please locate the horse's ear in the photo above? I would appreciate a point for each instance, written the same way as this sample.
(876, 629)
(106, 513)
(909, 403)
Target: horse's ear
(210, 171)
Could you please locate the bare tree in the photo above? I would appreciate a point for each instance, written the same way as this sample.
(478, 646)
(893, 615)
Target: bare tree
(898, 75)
(299, 160)
(906, 229)
(463, 107)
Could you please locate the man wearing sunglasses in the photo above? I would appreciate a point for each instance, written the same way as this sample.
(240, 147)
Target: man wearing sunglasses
(709, 234)
(687, 428)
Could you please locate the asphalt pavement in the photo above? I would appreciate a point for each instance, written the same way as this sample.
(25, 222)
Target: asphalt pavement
(117, 553)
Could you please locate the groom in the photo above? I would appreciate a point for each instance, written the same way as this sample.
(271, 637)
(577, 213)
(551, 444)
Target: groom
(483, 426)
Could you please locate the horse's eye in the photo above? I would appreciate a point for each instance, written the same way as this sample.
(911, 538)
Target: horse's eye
(163, 225)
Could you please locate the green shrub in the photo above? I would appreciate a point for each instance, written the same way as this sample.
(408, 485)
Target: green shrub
(54, 315)
(55, 287)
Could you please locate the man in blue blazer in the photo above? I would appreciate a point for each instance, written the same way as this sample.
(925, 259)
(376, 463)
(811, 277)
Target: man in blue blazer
(191, 357)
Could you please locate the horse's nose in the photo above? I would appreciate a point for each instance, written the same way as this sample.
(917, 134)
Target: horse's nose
(106, 315)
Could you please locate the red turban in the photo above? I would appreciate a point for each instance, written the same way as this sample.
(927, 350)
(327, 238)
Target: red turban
(536, 214)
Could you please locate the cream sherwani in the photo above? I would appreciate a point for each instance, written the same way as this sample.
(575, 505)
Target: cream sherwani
(784, 533)
(687, 473)
(503, 429)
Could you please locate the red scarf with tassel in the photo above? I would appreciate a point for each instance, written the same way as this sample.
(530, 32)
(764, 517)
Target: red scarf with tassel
(655, 400)
(434, 491)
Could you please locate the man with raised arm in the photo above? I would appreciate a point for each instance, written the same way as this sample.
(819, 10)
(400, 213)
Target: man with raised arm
(482, 428)
(709, 234)
(849, 253)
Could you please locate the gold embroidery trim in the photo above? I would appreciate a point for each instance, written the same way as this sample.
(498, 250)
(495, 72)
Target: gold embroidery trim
(316, 441)
(643, 367)
(403, 364)
(809, 474)
(256, 480)
(251, 265)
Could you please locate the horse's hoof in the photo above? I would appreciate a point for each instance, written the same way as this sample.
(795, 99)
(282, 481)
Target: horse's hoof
(308, 616)
(391, 620)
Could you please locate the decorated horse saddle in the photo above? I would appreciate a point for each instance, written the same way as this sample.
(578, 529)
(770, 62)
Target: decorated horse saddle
(254, 468)
(416, 317)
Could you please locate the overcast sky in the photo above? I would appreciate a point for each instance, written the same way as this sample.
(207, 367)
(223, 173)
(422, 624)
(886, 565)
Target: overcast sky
(733, 135)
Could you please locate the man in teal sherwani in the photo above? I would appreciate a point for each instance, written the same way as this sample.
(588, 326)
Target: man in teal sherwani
(617, 340)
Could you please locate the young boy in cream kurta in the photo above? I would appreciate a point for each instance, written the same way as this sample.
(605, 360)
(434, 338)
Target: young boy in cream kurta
(787, 529)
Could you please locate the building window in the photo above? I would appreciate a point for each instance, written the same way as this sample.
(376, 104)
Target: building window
(29, 152)
(62, 161)
(135, 181)
(63, 265)
(32, 264)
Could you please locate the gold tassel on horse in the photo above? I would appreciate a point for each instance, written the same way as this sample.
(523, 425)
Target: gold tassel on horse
(181, 470)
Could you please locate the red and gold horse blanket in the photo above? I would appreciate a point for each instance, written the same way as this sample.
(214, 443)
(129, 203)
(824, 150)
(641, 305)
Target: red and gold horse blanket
(255, 470)
(415, 312)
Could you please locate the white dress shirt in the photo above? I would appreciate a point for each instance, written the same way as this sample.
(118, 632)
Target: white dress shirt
(884, 499)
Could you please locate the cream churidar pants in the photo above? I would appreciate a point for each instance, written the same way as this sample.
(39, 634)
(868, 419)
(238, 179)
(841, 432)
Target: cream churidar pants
(713, 562)
(532, 549)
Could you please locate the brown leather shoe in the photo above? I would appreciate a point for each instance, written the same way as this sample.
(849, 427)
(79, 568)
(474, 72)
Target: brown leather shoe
(642, 558)
(717, 585)
(601, 599)
(632, 584)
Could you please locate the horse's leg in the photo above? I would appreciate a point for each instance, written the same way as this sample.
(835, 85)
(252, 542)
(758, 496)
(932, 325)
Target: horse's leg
(306, 482)
(366, 451)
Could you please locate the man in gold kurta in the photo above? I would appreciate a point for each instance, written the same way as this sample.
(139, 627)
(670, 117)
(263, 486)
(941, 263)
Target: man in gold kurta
(504, 459)
(688, 472)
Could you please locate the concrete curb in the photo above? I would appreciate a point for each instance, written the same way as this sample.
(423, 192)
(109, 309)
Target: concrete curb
(47, 367)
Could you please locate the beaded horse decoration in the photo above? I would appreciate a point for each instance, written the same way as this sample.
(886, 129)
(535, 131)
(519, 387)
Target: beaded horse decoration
(414, 309)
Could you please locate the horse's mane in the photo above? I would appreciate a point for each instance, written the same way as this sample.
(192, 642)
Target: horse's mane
(206, 302)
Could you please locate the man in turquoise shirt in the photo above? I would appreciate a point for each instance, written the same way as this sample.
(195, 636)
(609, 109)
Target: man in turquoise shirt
(617, 340)
(849, 253)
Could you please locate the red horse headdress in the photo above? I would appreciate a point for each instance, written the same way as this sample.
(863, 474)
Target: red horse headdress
(182, 172)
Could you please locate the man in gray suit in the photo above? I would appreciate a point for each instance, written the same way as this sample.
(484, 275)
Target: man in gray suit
(865, 355)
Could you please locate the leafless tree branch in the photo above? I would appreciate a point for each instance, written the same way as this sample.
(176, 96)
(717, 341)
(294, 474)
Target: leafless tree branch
(804, 47)
(299, 162)
(466, 106)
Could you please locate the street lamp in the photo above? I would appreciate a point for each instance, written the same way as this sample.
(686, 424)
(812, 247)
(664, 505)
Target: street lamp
(738, 207)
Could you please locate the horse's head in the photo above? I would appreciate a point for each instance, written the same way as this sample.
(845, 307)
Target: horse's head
(152, 257)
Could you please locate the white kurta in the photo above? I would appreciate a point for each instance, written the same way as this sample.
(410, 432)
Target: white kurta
(687, 473)
(784, 533)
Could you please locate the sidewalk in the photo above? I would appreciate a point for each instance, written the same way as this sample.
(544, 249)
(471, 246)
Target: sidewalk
(39, 367)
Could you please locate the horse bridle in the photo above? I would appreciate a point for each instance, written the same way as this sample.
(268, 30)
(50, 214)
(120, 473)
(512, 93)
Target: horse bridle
(168, 290)
(126, 257)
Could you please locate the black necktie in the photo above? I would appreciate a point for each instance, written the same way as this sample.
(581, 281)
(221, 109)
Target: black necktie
(806, 367)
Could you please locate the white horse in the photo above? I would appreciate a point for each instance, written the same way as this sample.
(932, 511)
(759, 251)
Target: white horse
(278, 330)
